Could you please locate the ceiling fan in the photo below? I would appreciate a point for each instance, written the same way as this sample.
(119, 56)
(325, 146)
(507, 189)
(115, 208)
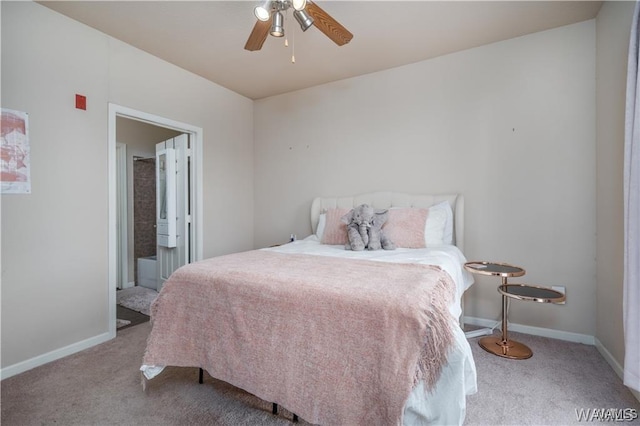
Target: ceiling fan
(307, 13)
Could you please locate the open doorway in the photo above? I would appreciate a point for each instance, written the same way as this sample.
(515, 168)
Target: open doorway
(137, 281)
(136, 200)
(134, 141)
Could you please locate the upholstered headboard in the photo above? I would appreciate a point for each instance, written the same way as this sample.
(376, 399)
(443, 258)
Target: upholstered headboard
(383, 200)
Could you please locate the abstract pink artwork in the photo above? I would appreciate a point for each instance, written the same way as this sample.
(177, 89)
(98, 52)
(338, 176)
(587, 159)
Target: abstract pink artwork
(15, 161)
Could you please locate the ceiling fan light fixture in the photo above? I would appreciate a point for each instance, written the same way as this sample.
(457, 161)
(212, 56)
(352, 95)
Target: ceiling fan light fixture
(277, 30)
(299, 4)
(262, 12)
(309, 14)
(303, 19)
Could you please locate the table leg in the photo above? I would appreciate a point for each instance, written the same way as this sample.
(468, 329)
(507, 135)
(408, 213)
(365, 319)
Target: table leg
(505, 334)
(502, 346)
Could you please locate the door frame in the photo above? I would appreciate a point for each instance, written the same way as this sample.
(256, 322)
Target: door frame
(121, 206)
(196, 136)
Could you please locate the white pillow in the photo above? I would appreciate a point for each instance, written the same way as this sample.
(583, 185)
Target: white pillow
(448, 229)
(322, 221)
(439, 225)
(434, 227)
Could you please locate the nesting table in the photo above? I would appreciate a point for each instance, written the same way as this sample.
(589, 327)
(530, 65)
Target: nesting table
(503, 346)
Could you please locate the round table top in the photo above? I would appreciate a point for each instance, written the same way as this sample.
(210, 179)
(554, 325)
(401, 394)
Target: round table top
(531, 292)
(494, 268)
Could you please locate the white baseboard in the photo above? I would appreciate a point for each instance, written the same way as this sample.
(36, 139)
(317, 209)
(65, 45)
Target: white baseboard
(23, 366)
(609, 358)
(561, 335)
(536, 331)
(614, 364)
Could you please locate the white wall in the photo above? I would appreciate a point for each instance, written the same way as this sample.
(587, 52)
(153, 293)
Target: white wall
(55, 240)
(613, 29)
(509, 125)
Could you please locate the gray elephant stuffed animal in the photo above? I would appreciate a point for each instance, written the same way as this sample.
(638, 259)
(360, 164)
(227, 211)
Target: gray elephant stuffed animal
(364, 229)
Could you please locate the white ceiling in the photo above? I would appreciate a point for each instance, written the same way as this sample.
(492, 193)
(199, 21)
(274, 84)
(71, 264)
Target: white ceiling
(208, 37)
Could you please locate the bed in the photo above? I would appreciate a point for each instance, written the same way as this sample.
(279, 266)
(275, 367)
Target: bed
(298, 325)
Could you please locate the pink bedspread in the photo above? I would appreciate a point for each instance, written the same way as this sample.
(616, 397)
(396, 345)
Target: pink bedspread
(336, 341)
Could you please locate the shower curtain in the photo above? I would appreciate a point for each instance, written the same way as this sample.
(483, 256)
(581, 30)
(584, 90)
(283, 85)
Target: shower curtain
(631, 312)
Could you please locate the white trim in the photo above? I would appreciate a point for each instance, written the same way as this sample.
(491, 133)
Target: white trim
(535, 331)
(197, 152)
(557, 334)
(113, 229)
(196, 214)
(614, 364)
(609, 358)
(28, 364)
(121, 194)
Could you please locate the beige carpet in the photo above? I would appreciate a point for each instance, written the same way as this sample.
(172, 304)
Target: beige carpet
(102, 386)
(136, 298)
(122, 322)
(546, 389)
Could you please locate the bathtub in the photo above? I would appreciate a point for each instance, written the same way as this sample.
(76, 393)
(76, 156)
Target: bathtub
(147, 272)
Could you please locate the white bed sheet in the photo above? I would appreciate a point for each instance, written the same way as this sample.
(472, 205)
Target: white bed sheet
(446, 403)
(448, 257)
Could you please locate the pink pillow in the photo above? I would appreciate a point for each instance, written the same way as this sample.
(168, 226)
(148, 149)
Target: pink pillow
(335, 231)
(405, 227)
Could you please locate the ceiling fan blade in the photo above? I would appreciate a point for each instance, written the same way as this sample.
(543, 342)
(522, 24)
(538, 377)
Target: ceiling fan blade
(329, 26)
(258, 35)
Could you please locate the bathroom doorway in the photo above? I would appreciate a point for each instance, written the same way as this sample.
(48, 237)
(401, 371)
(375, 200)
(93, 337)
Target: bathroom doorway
(137, 248)
(133, 244)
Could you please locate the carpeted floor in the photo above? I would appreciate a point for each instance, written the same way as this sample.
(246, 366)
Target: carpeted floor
(136, 298)
(546, 389)
(120, 323)
(102, 386)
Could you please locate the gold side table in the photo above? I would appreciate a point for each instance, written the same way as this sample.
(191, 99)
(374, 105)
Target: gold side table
(510, 348)
(500, 346)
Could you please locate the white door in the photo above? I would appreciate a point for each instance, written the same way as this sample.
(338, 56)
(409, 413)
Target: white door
(172, 206)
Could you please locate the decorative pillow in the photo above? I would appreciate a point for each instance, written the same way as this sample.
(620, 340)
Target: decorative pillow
(406, 227)
(439, 227)
(322, 220)
(335, 231)
(435, 226)
(438, 224)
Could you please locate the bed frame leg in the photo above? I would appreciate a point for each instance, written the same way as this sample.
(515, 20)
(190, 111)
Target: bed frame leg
(201, 376)
(274, 410)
